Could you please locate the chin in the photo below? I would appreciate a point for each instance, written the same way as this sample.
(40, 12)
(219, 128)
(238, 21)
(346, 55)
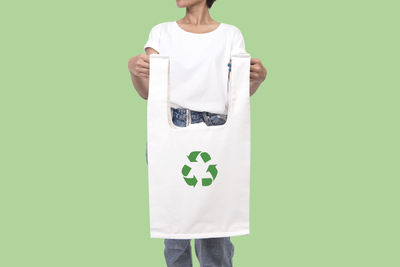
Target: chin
(180, 3)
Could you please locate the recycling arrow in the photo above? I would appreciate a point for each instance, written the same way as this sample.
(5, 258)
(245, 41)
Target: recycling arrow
(205, 156)
(193, 155)
(190, 181)
(212, 169)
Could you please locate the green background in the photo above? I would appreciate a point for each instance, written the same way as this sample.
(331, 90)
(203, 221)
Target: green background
(325, 133)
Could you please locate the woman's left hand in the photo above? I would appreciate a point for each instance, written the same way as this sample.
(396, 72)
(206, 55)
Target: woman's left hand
(257, 74)
(257, 71)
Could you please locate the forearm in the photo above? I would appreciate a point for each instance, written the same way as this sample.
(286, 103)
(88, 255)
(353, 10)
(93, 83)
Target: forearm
(141, 85)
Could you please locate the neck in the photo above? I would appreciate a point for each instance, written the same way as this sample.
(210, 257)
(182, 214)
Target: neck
(197, 14)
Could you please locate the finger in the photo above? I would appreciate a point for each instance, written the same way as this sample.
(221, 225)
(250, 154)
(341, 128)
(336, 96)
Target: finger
(144, 64)
(146, 58)
(254, 75)
(254, 61)
(255, 68)
(143, 70)
(142, 74)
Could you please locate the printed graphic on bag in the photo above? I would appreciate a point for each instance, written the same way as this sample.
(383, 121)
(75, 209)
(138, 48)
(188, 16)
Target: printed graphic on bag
(211, 169)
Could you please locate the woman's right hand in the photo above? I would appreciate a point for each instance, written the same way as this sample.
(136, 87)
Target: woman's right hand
(139, 65)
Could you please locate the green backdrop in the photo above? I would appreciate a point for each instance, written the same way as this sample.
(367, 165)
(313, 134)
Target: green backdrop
(325, 133)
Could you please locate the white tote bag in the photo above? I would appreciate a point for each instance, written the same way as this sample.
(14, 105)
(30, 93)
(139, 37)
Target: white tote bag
(199, 175)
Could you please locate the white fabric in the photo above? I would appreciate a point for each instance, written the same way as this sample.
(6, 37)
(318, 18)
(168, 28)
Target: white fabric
(182, 211)
(198, 63)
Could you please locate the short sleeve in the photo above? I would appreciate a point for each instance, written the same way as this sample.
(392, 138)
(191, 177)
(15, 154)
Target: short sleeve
(154, 38)
(238, 45)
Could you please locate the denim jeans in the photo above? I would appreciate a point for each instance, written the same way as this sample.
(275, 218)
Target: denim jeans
(211, 252)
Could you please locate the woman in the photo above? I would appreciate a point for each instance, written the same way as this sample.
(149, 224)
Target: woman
(199, 50)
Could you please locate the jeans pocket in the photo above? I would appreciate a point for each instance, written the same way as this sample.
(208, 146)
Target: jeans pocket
(217, 120)
(179, 122)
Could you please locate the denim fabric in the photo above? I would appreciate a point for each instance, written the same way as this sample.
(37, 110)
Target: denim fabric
(211, 252)
(179, 117)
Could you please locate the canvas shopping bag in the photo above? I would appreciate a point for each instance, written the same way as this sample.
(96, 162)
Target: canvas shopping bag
(199, 175)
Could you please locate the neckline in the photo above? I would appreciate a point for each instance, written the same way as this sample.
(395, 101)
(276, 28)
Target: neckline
(197, 34)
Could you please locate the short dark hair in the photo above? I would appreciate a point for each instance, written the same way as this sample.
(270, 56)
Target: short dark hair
(210, 3)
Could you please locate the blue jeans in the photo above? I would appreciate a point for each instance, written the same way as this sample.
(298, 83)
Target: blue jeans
(211, 252)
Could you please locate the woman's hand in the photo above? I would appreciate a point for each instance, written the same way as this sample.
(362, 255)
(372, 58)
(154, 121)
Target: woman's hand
(139, 69)
(257, 71)
(139, 65)
(257, 74)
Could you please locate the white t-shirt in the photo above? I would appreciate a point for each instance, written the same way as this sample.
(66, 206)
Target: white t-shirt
(198, 64)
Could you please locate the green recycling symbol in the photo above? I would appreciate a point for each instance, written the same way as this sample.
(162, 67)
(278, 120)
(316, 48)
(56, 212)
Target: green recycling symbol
(212, 169)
